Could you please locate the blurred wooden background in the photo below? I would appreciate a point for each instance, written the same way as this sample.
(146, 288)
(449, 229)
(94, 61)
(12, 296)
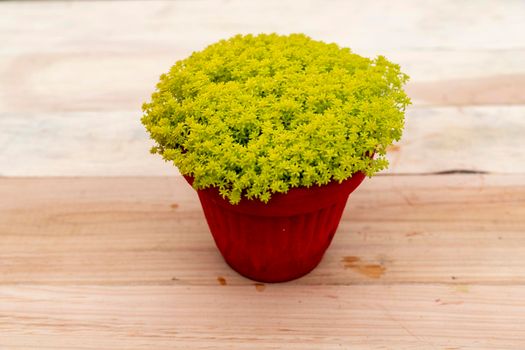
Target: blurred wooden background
(73, 75)
(97, 251)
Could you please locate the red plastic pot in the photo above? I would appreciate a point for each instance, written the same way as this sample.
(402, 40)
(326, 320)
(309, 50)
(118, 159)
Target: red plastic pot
(283, 239)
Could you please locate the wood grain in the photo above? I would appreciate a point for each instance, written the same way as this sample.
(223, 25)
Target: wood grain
(436, 139)
(491, 90)
(419, 262)
(428, 229)
(410, 316)
(114, 63)
(478, 139)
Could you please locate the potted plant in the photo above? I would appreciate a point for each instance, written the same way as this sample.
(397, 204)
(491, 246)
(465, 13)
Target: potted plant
(274, 132)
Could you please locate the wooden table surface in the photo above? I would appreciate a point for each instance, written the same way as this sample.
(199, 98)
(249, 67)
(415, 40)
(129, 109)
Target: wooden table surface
(103, 246)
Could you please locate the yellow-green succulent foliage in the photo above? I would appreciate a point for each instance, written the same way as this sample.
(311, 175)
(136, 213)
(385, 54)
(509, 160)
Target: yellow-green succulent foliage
(256, 115)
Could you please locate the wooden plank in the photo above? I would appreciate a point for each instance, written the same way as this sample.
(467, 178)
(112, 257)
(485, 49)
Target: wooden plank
(492, 90)
(77, 144)
(114, 63)
(407, 25)
(121, 231)
(45, 79)
(284, 316)
(487, 139)
(482, 139)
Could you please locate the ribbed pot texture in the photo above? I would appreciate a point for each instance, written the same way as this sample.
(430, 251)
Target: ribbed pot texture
(283, 239)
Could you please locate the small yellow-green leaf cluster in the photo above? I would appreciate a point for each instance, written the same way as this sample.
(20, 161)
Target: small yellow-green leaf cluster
(256, 115)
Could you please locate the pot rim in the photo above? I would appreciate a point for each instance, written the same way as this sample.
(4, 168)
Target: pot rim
(296, 201)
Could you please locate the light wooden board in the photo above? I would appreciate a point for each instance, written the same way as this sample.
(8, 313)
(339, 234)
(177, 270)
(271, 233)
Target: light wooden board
(435, 139)
(419, 262)
(116, 81)
(409, 316)
(418, 228)
(77, 144)
(65, 61)
(408, 24)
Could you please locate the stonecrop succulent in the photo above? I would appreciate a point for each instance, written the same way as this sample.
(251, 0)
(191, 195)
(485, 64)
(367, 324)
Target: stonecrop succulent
(257, 115)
